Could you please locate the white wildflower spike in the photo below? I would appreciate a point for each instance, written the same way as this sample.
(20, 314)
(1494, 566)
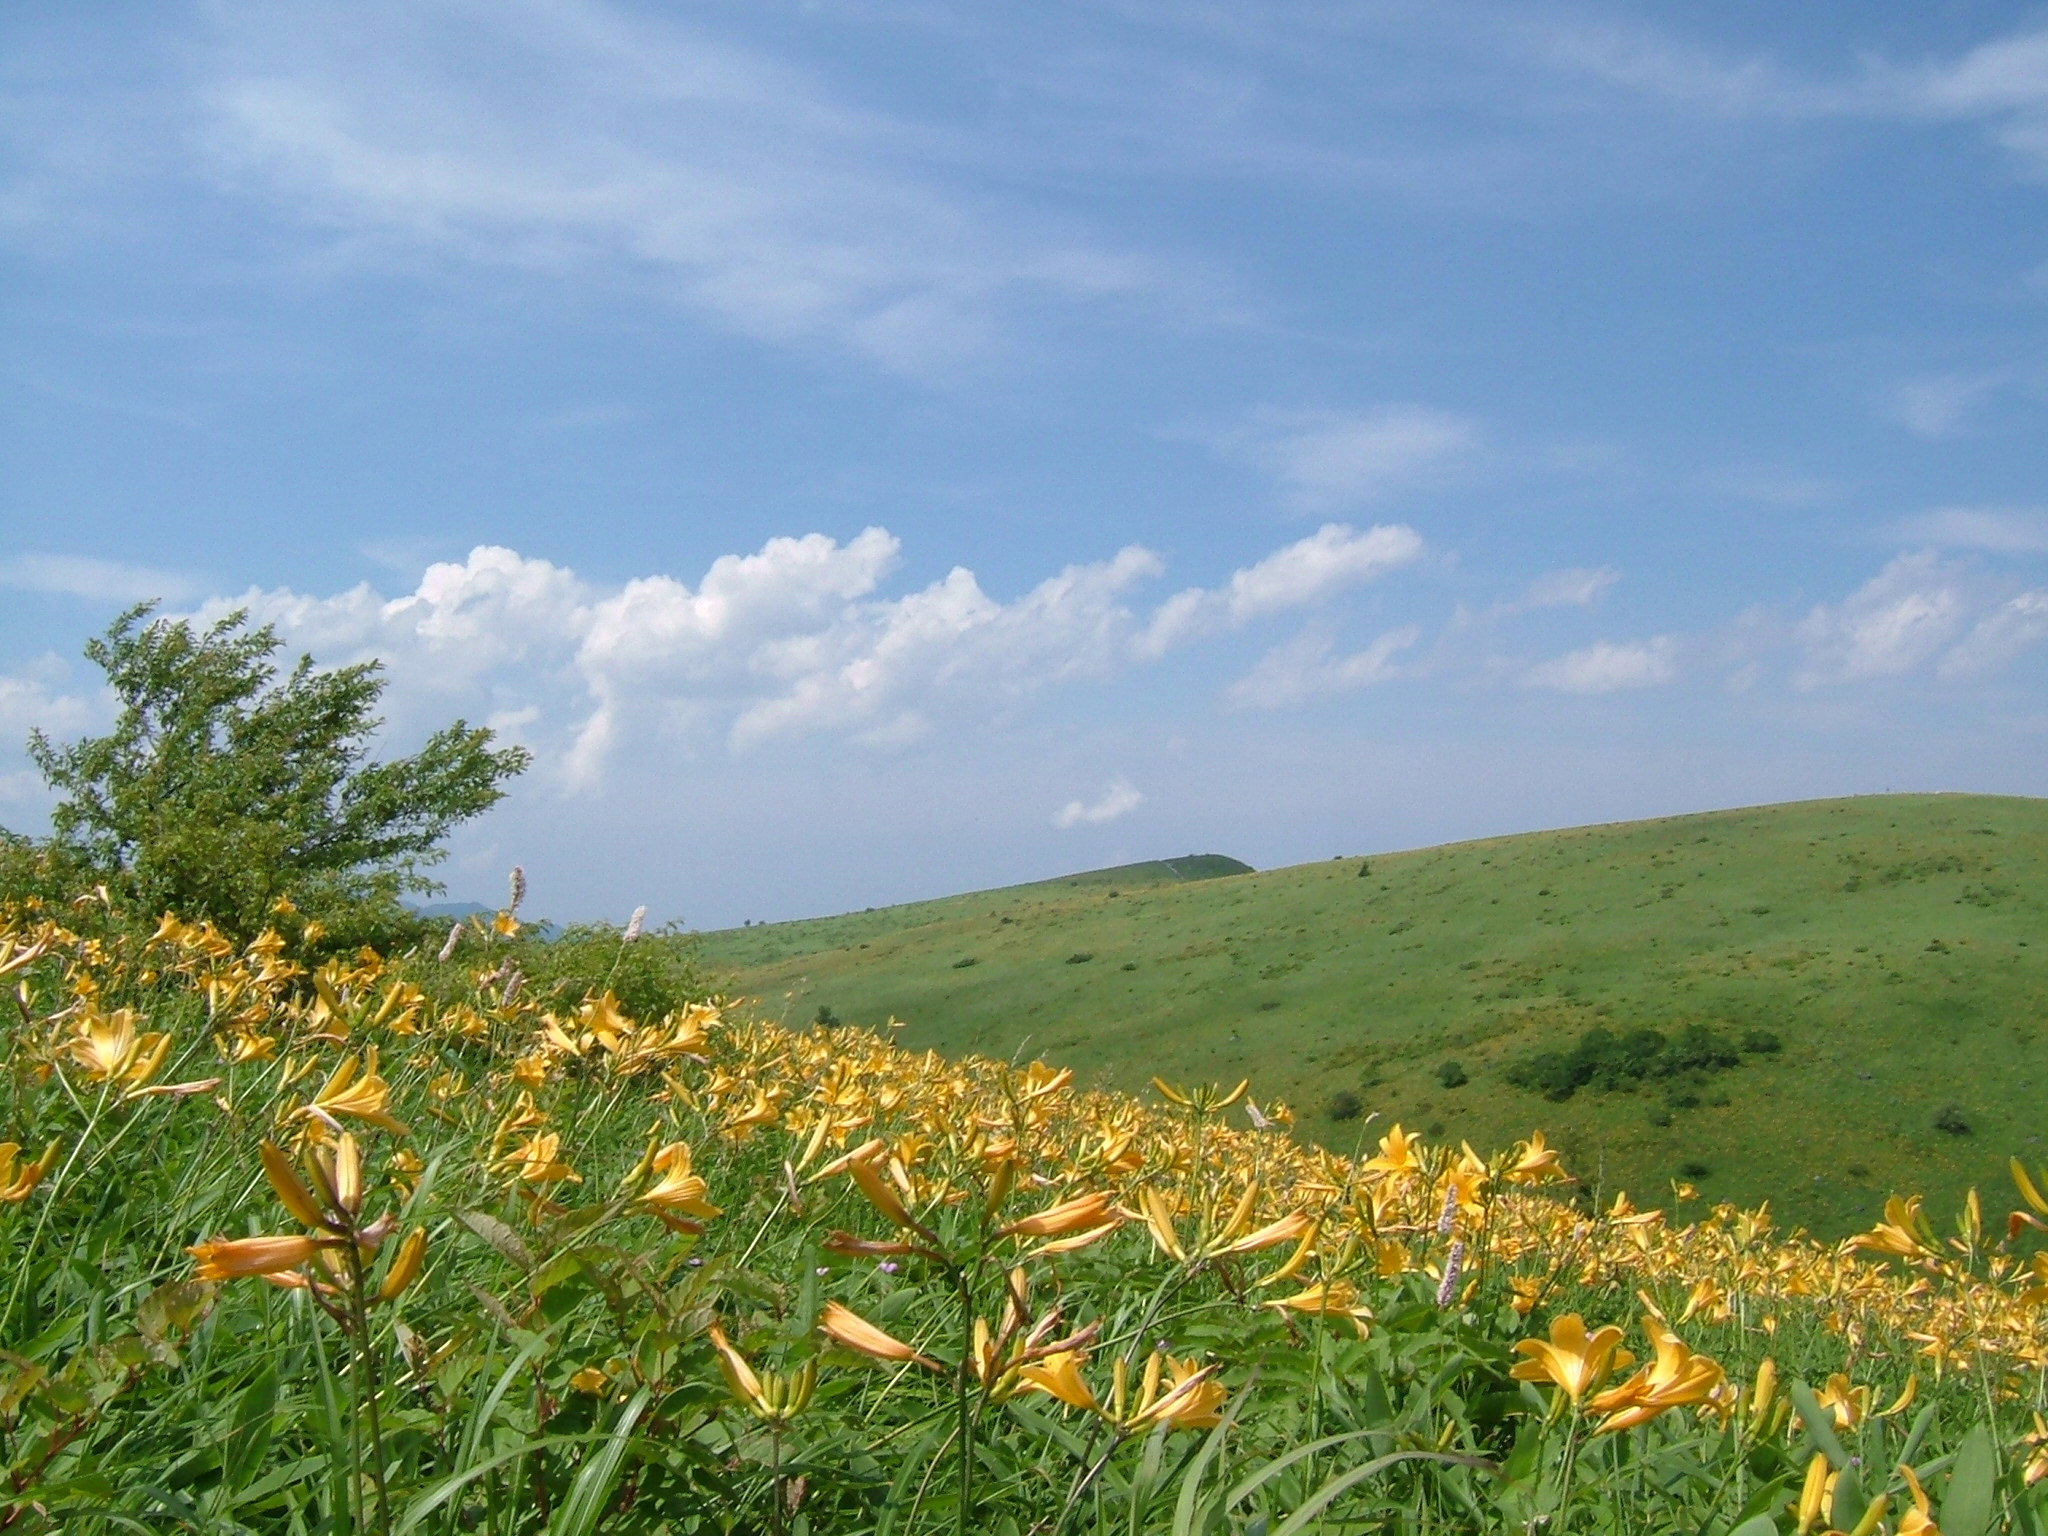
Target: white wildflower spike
(518, 885)
(634, 924)
(1449, 1218)
(454, 938)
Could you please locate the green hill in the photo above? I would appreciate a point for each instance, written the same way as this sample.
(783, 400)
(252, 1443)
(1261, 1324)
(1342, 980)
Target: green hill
(1884, 944)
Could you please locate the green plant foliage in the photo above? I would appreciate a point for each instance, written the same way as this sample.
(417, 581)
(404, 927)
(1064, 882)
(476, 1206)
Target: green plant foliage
(224, 786)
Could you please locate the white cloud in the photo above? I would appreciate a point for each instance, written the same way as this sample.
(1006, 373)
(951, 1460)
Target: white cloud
(1568, 588)
(1308, 571)
(1304, 669)
(1900, 618)
(1940, 406)
(1999, 635)
(1999, 530)
(2005, 81)
(560, 136)
(91, 578)
(1605, 667)
(1117, 800)
(1325, 460)
(792, 640)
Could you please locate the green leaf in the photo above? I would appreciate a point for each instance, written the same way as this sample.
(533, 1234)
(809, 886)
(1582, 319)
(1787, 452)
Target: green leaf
(593, 1487)
(248, 1441)
(1972, 1486)
(1820, 1426)
(1312, 1507)
(497, 1236)
(1756, 1525)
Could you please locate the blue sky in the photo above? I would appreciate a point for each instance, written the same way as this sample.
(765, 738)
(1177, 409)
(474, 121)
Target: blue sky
(869, 450)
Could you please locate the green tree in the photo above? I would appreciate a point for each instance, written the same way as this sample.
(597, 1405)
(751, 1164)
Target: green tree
(224, 786)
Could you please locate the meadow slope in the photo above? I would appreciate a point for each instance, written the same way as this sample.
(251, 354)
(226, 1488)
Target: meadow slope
(1892, 944)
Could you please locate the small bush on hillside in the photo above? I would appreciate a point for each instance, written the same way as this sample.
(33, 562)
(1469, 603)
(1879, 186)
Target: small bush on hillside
(1344, 1105)
(1951, 1122)
(1081, 957)
(1607, 1061)
(826, 1018)
(1452, 1074)
(1761, 1042)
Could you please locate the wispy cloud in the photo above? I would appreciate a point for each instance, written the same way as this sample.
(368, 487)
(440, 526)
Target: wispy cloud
(1902, 617)
(575, 137)
(2000, 530)
(1118, 799)
(1327, 460)
(98, 580)
(1306, 668)
(1308, 571)
(1607, 666)
(1569, 588)
(1941, 406)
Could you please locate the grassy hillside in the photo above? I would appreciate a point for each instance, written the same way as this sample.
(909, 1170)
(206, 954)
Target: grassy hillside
(1893, 945)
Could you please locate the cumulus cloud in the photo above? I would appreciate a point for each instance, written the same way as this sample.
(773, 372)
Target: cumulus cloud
(1325, 460)
(1306, 669)
(1607, 666)
(1117, 800)
(791, 640)
(1308, 571)
(1900, 618)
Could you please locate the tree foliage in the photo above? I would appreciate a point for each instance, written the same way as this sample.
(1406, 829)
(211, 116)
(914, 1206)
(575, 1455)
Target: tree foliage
(224, 786)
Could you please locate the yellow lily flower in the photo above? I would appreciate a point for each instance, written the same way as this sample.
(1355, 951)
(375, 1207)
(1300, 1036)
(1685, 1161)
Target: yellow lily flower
(678, 1193)
(1083, 1211)
(844, 1326)
(17, 1183)
(1059, 1375)
(1535, 1163)
(405, 1265)
(1675, 1378)
(240, 1257)
(1573, 1359)
(354, 1089)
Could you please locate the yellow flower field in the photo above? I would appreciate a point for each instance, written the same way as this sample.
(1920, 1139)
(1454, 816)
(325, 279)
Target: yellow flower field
(312, 1243)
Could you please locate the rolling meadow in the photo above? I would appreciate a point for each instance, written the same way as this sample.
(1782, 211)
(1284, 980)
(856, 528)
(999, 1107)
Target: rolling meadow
(1893, 947)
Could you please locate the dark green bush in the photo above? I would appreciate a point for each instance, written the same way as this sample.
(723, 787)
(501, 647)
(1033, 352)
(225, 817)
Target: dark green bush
(1344, 1105)
(1761, 1042)
(1452, 1074)
(1952, 1122)
(1606, 1061)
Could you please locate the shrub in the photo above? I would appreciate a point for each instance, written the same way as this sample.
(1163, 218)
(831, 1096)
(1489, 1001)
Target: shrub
(964, 962)
(1693, 1168)
(1761, 1042)
(1452, 1074)
(1608, 1061)
(826, 1018)
(1951, 1122)
(1081, 957)
(1344, 1105)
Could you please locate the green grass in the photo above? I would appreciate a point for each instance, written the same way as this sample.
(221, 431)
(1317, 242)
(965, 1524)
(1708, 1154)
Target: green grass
(1893, 943)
